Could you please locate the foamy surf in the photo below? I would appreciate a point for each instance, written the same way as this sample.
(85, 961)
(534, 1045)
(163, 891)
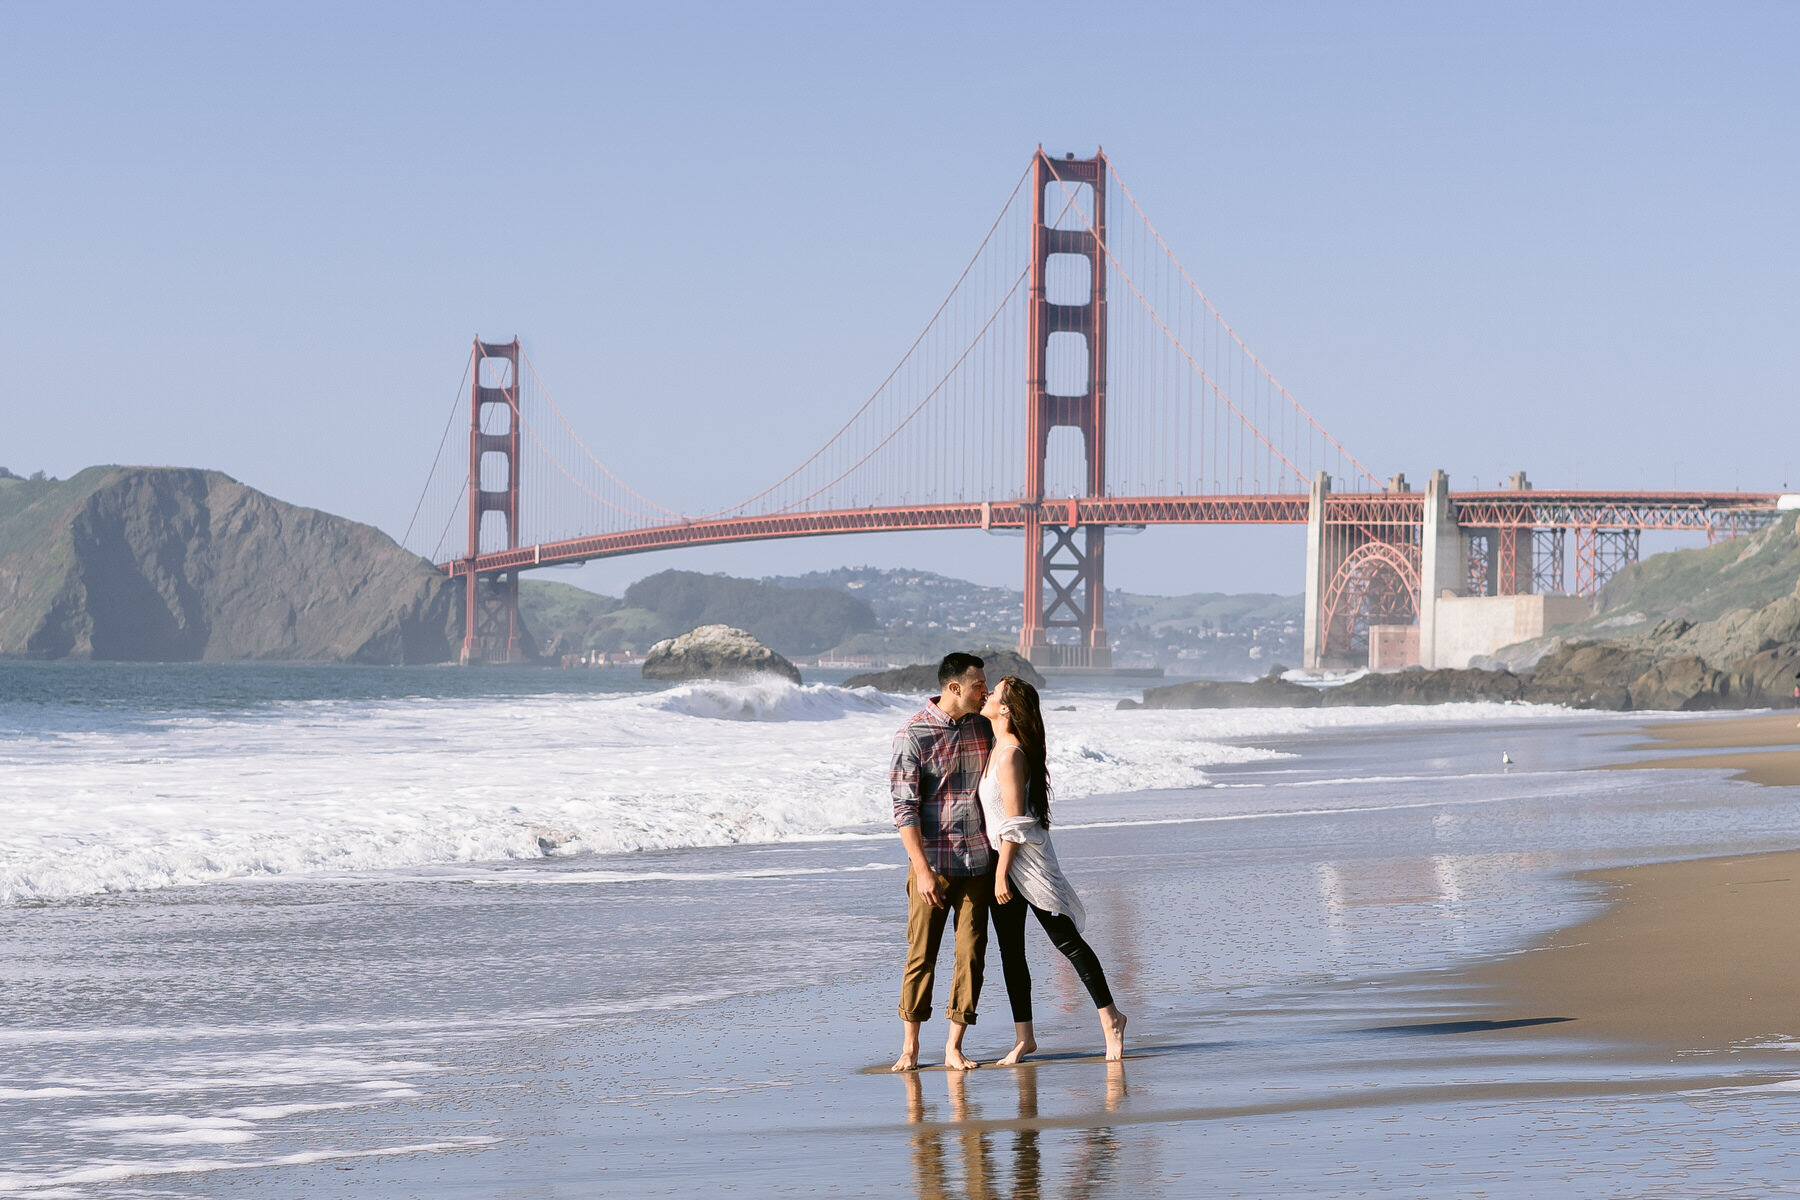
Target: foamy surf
(771, 698)
(350, 787)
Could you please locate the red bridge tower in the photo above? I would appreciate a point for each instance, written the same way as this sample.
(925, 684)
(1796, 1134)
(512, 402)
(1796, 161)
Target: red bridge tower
(1059, 549)
(491, 606)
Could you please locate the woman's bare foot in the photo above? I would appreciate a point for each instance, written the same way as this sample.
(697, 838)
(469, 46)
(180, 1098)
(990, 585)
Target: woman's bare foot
(1112, 1025)
(1023, 1043)
(908, 1061)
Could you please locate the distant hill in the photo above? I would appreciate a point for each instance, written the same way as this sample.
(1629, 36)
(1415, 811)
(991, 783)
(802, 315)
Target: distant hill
(178, 565)
(790, 620)
(903, 616)
(1214, 634)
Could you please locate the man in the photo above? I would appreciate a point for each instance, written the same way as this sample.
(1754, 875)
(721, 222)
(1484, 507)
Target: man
(939, 755)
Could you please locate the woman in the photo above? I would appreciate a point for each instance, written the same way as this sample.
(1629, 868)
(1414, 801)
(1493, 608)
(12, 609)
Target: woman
(1015, 803)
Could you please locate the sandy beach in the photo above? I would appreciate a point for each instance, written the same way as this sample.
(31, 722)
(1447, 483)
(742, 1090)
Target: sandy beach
(1752, 743)
(1695, 955)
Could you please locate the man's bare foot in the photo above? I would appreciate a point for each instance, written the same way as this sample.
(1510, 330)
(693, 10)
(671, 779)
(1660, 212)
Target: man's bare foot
(908, 1060)
(1023, 1043)
(956, 1060)
(1112, 1025)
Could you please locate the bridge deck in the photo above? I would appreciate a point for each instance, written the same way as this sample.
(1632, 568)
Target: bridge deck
(1538, 508)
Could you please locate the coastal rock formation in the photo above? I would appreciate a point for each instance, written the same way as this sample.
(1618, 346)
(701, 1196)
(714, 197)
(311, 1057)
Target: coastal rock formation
(1749, 658)
(1685, 684)
(922, 677)
(1268, 692)
(715, 652)
(1427, 687)
(178, 565)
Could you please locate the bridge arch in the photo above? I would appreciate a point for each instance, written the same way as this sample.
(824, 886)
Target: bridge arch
(1376, 584)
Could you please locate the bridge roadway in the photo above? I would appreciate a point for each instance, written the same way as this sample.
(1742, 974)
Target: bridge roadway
(1536, 508)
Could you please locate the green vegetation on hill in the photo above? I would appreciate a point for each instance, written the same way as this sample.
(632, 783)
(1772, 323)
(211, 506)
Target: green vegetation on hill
(1703, 584)
(926, 615)
(18, 493)
(563, 618)
(789, 620)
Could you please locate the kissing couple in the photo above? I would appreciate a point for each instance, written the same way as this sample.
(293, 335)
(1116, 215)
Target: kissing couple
(971, 793)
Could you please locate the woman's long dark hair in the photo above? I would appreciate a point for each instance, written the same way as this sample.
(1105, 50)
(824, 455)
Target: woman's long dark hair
(1027, 721)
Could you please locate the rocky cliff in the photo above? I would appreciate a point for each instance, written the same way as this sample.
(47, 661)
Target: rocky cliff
(172, 564)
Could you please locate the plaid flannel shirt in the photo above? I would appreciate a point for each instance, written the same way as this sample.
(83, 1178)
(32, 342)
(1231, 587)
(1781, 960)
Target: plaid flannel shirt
(936, 769)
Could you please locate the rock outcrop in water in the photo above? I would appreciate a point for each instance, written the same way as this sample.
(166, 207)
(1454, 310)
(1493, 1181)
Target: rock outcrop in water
(1267, 692)
(922, 677)
(165, 564)
(715, 652)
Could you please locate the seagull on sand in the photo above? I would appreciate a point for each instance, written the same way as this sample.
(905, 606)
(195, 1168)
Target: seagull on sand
(1505, 759)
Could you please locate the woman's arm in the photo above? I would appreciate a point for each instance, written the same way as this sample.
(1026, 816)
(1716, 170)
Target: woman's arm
(1010, 774)
(1003, 889)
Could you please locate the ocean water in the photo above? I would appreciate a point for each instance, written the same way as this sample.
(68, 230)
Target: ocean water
(430, 932)
(126, 778)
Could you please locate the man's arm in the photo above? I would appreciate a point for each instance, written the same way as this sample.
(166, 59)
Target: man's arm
(924, 878)
(903, 785)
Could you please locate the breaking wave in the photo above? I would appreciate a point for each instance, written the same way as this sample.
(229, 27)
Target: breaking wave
(97, 805)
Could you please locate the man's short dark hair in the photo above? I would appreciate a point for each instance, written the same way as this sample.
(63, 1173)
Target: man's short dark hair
(956, 665)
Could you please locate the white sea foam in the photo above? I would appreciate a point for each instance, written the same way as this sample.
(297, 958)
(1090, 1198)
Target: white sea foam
(66, 1183)
(356, 786)
(774, 699)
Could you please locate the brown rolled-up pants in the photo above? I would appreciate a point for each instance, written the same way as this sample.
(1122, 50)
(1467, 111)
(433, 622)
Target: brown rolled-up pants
(968, 898)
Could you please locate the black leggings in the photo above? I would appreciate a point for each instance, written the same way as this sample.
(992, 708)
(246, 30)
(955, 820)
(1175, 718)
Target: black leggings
(1009, 929)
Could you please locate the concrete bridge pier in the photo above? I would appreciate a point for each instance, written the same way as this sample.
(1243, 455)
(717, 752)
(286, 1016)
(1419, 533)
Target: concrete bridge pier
(1443, 561)
(1312, 645)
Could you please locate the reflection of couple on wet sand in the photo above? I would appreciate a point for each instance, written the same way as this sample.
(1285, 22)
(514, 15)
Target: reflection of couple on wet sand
(972, 802)
(987, 1170)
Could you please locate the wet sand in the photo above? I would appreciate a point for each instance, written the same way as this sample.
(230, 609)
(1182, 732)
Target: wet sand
(1696, 955)
(1751, 741)
(1690, 956)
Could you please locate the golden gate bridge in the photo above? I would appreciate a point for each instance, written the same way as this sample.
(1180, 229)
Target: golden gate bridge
(1074, 379)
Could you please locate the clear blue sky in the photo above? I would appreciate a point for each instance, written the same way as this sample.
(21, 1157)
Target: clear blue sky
(1478, 237)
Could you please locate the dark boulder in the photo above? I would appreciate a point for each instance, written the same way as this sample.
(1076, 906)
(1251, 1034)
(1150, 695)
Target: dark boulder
(1590, 675)
(922, 677)
(1267, 692)
(1426, 687)
(1687, 684)
(1769, 677)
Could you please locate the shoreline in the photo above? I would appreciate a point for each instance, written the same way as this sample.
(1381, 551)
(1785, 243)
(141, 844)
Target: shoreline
(1692, 955)
(1762, 749)
(1698, 954)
